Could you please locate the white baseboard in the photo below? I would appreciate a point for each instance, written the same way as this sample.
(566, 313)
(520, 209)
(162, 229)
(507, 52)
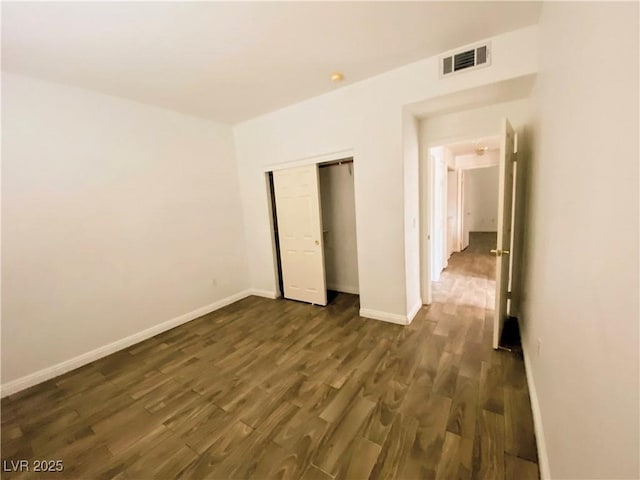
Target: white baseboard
(263, 293)
(344, 289)
(384, 316)
(392, 317)
(414, 311)
(543, 459)
(48, 373)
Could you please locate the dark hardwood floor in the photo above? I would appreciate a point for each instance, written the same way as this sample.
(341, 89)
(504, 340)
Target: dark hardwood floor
(280, 389)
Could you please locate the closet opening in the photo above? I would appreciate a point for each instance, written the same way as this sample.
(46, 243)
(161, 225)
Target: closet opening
(274, 229)
(314, 230)
(337, 198)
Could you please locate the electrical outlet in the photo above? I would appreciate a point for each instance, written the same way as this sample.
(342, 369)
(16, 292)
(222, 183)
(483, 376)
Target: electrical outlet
(214, 282)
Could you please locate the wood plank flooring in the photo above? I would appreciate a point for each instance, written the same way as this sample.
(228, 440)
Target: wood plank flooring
(280, 389)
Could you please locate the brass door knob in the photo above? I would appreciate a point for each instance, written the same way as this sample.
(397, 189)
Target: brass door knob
(499, 252)
(317, 242)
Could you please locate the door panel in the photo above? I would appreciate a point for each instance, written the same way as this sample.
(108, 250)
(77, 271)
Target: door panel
(465, 212)
(297, 194)
(452, 211)
(505, 224)
(439, 255)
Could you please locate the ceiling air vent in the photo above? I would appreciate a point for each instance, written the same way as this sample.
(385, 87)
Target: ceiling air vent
(468, 59)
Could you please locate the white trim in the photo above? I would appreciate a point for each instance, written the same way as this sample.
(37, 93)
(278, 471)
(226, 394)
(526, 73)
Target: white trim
(344, 289)
(414, 311)
(543, 459)
(48, 373)
(384, 316)
(263, 293)
(327, 157)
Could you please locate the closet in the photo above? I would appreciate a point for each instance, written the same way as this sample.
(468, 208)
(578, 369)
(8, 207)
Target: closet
(314, 224)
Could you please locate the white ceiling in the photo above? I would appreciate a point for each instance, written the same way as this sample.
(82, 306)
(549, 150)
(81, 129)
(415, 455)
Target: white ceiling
(232, 61)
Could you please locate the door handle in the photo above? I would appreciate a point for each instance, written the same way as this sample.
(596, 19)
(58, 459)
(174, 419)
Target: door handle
(499, 252)
(317, 242)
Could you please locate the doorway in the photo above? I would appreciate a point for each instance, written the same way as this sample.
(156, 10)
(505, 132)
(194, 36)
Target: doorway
(464, 185)
(478, 216)
(337, 197)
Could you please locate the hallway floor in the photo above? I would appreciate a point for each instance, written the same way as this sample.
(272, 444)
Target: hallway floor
(280, 389)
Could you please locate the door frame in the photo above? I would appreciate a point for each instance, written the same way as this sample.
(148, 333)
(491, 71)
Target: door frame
(514, 269)
(460, 212)
(317, 160)
(427, 189)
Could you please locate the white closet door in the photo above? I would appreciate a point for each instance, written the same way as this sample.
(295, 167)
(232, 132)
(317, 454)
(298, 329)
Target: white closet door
(297, 193)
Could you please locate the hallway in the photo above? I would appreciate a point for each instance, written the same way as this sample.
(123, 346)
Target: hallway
(469, 279)
(266, 388)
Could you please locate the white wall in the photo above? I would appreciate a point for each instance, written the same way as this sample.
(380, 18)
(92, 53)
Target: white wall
(489, 159)
(367, 118)
(481, 200)
(411, 185)
(582, 285)
(116, 217)
(474, 123)
(339, 227)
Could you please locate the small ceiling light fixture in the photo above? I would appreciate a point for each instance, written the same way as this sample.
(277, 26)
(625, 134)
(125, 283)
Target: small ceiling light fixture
(337, 77)
(481, 150)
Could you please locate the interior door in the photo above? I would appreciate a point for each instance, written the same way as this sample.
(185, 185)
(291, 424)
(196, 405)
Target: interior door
(460, 212)
(438, 217)
(452, 211)
(465, 212)
(297, 194)
(505, 223)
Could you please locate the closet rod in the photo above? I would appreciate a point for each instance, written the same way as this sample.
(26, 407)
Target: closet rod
(337, 162)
